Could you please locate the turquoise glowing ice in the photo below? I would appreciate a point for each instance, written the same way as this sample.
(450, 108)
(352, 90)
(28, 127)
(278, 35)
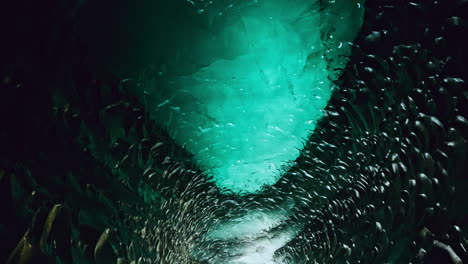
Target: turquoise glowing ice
(246, 115)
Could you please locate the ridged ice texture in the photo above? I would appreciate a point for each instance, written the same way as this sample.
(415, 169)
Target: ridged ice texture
(246, 114)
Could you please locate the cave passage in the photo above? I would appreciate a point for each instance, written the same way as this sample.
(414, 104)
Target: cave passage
(106, 106)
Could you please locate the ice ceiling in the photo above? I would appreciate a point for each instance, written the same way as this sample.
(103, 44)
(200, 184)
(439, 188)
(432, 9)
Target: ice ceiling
(260, 74)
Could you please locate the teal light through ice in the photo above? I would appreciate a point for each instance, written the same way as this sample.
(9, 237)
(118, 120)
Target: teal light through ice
(261, 73)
